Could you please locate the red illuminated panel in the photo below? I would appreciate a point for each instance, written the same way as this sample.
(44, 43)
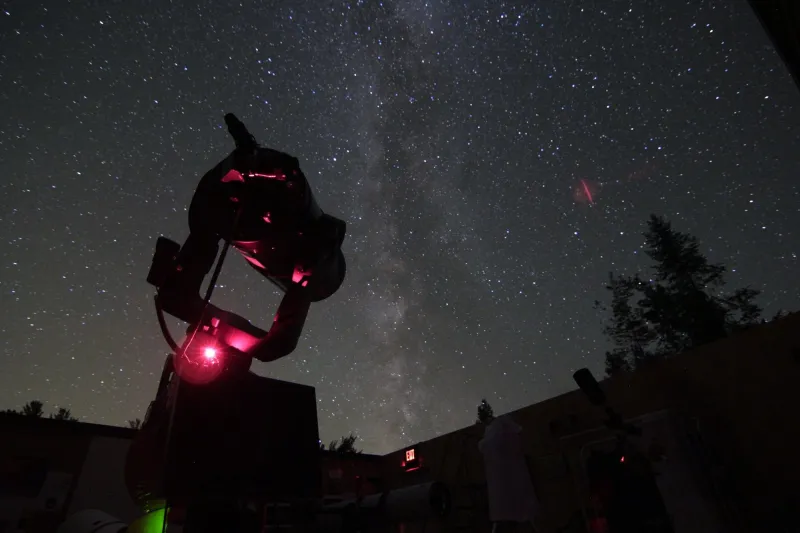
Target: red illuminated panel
(233, 175)
(411, 461)
(241, 340)
(255, 262)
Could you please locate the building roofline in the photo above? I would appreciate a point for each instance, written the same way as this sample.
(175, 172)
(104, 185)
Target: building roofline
(22, 422)
(756, 329)
(19, 422)
(355, 456)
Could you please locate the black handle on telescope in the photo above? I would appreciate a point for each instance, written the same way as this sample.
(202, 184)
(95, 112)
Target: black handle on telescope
(591, 388)
(586, 382)
(244, 139)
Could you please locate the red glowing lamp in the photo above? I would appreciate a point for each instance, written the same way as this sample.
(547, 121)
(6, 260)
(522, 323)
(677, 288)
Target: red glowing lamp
(199, 361)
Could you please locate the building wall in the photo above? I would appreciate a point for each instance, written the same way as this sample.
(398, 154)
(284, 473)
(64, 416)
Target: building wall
(350, 475)
(51, 468)
(100, 484)
(738, 394)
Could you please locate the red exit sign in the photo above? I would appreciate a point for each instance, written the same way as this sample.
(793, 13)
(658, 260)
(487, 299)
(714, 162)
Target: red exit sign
(411, 461)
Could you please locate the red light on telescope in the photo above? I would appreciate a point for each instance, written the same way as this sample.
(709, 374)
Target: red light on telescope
(622, 459)
(273, 176)
(232, 175)
(199, 361)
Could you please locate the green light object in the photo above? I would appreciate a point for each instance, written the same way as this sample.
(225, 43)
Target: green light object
(152, 522)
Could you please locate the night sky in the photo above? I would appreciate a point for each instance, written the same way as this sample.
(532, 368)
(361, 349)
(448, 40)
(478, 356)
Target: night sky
(493, 160)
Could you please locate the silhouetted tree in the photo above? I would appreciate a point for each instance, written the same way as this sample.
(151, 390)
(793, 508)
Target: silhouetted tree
(33, 408)
(136, 423)
(485, 412)
(63, 414)
(345, 446)
(680, 307)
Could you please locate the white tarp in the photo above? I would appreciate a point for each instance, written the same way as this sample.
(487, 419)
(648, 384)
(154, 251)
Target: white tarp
(509, 485)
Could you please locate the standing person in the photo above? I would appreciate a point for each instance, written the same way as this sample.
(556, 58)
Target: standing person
(512, 499)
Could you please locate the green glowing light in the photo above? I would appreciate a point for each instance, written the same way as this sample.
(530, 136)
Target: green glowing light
(152, 522)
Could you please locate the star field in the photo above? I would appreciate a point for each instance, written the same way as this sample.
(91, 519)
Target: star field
(493, 161)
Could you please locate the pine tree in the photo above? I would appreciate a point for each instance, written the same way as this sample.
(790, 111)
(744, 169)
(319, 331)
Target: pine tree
(136, 423)
(33, 408)
(63, 414)
(680, 307)
(345, 446)
(485, 412)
